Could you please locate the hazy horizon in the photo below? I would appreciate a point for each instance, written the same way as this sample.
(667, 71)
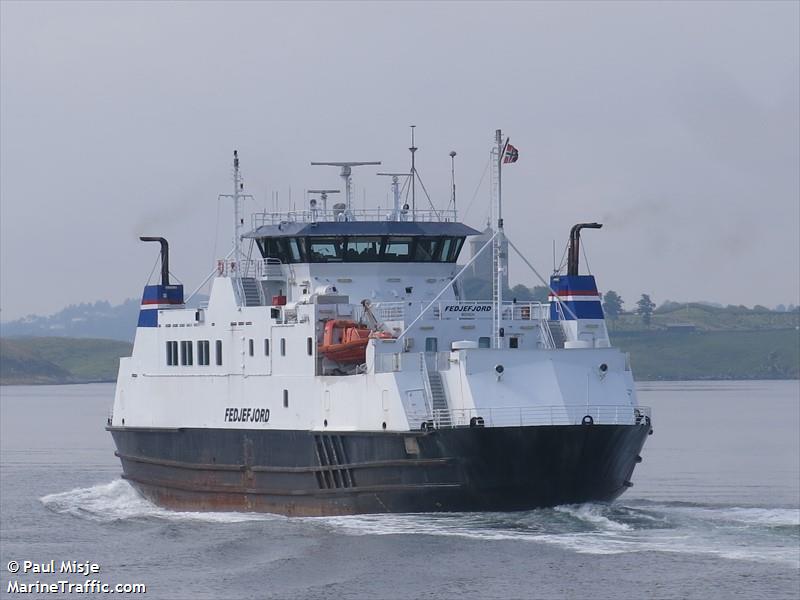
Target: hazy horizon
(677, 125)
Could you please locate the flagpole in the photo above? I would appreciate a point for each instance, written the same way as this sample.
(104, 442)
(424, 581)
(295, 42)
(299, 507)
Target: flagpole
(498, 246)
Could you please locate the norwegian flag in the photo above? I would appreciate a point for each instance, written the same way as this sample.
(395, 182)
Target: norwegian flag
(511, 154)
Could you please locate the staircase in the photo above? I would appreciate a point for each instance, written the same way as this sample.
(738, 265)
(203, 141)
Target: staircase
(252, 293)
(557, 331)
(438, 398)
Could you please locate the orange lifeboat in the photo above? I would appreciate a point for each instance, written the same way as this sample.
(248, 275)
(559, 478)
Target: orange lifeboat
(346, 341)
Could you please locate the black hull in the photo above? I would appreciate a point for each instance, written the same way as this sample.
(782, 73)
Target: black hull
(308, 473)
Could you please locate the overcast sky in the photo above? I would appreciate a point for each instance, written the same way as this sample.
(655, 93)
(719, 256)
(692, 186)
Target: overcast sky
(675, 124)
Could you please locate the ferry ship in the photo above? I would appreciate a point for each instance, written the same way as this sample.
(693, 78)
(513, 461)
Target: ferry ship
(336, 369)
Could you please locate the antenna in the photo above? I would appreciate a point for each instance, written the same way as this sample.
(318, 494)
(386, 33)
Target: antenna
(345, 174)
(453, 179)
(396, 192)
(413, 151)
(323, 195)
(238, 196)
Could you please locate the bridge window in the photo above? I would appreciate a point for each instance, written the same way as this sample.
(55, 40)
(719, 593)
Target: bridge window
(325, 249)
(398, 249)
(428, 249)
(362, 249)
(286, 250)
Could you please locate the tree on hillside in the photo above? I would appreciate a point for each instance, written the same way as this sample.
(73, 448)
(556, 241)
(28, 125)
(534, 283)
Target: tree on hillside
(521, 293)
(540, 293)
(525, 294)
(645, 308)
(612, 304)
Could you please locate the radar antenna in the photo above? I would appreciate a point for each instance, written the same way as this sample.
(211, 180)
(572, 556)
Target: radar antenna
(345, 174)
(397, 212)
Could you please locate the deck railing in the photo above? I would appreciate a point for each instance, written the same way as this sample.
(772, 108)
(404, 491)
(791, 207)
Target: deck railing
(260, 268)
(524, 416)
(354, 214)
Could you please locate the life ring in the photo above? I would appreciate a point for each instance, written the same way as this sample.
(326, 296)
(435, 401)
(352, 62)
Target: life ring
(587, 420)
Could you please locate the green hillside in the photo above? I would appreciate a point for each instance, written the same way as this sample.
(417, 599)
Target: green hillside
(709, 318)
(59, 360)
(758, 354)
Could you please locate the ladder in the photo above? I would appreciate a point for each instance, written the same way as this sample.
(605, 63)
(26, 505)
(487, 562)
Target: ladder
(438, 399)
(434, 391)
(557, 332)
(251, 290)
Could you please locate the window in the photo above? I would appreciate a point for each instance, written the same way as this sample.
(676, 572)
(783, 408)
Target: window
(285, 398)
(250, 347)
(186, 352)
(484, 342)
(513, 342)
(283, 346)
(310, 346)
(363, 249)
(294, 249)
(172, 353)
(431, 344)
(219, 352)
(366, 248)
(203, 353)
(266, 347)
(427, 249)
(397, 249)
(447, 244)
(455, 249)
(325, 249)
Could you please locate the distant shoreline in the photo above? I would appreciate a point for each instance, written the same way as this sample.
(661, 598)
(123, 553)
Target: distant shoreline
(655, 355)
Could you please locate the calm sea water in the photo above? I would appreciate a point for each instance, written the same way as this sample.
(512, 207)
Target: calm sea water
(715, 513)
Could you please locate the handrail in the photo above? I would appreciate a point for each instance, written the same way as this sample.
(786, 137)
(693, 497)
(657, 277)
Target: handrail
(547, 335)
(523, 416)
(354, 214)
(426, 383)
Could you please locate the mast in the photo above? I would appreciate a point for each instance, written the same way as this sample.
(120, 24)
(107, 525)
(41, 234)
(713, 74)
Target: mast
(497, 247)
(345, 174)
(413, 150)
(397, 210)
(453, 181)
(238, 221)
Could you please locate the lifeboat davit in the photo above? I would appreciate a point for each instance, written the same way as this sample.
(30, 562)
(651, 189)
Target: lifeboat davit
(346, 341)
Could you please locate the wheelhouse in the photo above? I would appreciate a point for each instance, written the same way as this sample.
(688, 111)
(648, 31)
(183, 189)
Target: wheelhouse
(362, 242)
